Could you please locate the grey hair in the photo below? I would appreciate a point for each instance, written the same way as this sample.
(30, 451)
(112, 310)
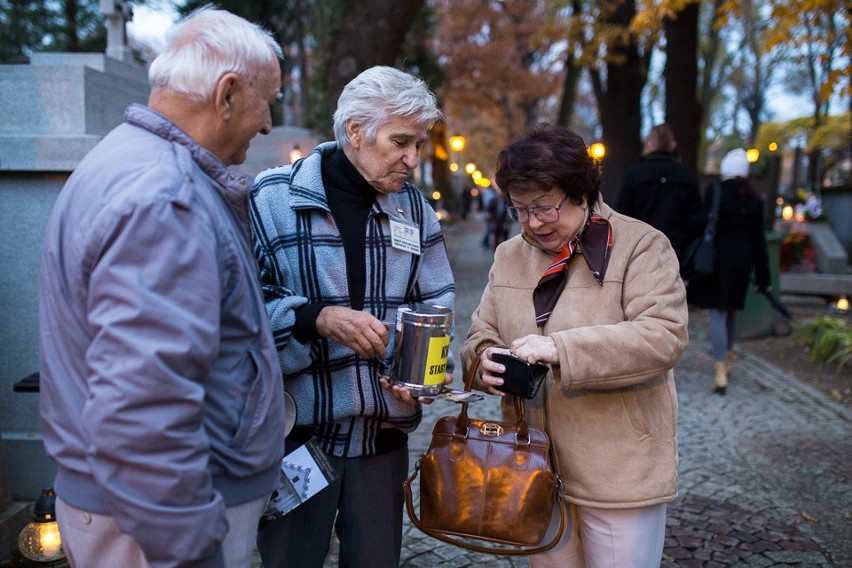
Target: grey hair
(204, 46)
(376, 95)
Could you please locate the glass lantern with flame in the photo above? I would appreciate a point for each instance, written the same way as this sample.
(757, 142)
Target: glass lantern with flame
(39, 540)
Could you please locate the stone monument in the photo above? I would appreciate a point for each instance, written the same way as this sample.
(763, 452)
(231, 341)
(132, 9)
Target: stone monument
(118, 13)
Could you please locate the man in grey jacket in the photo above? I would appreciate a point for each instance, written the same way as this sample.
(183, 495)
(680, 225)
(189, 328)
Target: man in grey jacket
(161, 393)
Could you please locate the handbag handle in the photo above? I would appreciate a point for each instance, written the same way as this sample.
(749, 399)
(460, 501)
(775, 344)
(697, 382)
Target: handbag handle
(461, 430)
(713, 216)
(518, 551)
(520, 409)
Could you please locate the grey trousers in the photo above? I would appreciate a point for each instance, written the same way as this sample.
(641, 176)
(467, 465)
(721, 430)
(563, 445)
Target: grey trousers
(363, 506)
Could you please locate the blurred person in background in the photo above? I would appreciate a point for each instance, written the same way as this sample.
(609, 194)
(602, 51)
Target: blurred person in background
(740, 252)
(663, 192)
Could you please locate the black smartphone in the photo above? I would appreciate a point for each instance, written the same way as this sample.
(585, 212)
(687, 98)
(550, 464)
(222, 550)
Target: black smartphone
(520, 378)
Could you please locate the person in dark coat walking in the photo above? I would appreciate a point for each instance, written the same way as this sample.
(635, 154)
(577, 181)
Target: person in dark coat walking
(662, 192)
(498, 219)
(740, 249)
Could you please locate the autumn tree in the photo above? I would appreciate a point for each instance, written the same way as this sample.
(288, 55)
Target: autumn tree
(831, 137)
(367, 34)
(817, 33)
(683, 107)
(675, 25)
(618, 78)
(711, 68)
(496, 71)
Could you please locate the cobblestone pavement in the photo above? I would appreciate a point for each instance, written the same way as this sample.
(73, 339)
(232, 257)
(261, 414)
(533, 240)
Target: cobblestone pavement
(765, 472)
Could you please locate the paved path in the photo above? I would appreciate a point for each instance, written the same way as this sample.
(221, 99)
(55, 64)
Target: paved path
(766, 471)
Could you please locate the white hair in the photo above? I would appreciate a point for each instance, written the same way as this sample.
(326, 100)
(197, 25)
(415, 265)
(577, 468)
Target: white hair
(204, 46)
(376, 95)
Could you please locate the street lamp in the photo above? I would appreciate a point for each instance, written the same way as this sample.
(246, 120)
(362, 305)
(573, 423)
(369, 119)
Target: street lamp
(752, 154)
(456, 145)
(597, 150)
(40, 541)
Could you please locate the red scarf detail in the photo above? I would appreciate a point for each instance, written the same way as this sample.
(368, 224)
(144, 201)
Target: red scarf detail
(596, 243)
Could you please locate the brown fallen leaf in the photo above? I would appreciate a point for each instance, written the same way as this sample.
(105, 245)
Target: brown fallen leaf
(808, 517)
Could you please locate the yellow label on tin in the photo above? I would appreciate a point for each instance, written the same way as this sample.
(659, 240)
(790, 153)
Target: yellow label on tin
(436, 360)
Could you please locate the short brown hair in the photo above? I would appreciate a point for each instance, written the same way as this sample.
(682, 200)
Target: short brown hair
(661, 138)
(549, 156)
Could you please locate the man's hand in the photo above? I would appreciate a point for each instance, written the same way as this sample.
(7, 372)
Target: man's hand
(403, 394)
(360, 331)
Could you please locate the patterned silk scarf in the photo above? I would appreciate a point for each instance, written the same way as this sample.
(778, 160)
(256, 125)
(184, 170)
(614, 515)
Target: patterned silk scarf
(596, 243)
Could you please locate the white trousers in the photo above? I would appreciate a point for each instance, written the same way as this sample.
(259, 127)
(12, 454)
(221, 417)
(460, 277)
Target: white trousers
(92, 539)
(608, 538)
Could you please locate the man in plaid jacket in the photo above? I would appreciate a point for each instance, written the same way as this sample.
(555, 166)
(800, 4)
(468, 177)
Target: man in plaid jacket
(343, 240)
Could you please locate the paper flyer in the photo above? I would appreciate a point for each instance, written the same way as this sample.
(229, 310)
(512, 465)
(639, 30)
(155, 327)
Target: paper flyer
(304, 472)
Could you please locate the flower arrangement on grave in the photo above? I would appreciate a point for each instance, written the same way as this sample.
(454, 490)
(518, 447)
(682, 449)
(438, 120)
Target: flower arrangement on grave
(797, 254)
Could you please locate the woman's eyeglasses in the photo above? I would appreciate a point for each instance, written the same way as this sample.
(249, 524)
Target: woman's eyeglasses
(545, 213)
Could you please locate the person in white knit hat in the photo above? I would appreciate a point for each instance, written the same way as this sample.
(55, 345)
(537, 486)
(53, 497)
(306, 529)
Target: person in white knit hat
(740, 249)
(734, 164)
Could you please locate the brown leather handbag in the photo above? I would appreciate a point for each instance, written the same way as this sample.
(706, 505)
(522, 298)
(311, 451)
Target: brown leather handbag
(487, 482)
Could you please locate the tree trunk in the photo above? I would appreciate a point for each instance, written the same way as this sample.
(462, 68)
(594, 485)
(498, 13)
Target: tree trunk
(573, 73)
(619, 106)
(371, 33)
(683, 110)
(72, 36)
(709, 74)
(304, 77)
(440, 171)
(569, 91)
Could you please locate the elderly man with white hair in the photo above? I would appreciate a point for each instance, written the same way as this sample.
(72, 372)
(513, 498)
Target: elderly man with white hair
(161, 392)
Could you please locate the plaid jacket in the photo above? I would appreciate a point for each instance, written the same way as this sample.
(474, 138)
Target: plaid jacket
(301, 258)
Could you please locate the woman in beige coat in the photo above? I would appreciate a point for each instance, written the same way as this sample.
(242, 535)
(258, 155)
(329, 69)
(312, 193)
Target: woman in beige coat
(611, 324)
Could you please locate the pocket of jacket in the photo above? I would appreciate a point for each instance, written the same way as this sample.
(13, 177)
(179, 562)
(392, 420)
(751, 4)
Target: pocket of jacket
(249, 421)
(635, 415)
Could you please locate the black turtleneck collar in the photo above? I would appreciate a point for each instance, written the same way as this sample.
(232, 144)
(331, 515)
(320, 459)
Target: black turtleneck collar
(350, 199)
(339, 173)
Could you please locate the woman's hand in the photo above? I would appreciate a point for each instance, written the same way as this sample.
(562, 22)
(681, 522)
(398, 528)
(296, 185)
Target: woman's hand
(488, 380)
(536, 349)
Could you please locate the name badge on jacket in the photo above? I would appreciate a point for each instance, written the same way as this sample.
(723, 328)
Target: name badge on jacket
(405, 237)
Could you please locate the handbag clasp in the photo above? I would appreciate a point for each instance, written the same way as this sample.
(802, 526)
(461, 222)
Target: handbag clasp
(491, 429)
